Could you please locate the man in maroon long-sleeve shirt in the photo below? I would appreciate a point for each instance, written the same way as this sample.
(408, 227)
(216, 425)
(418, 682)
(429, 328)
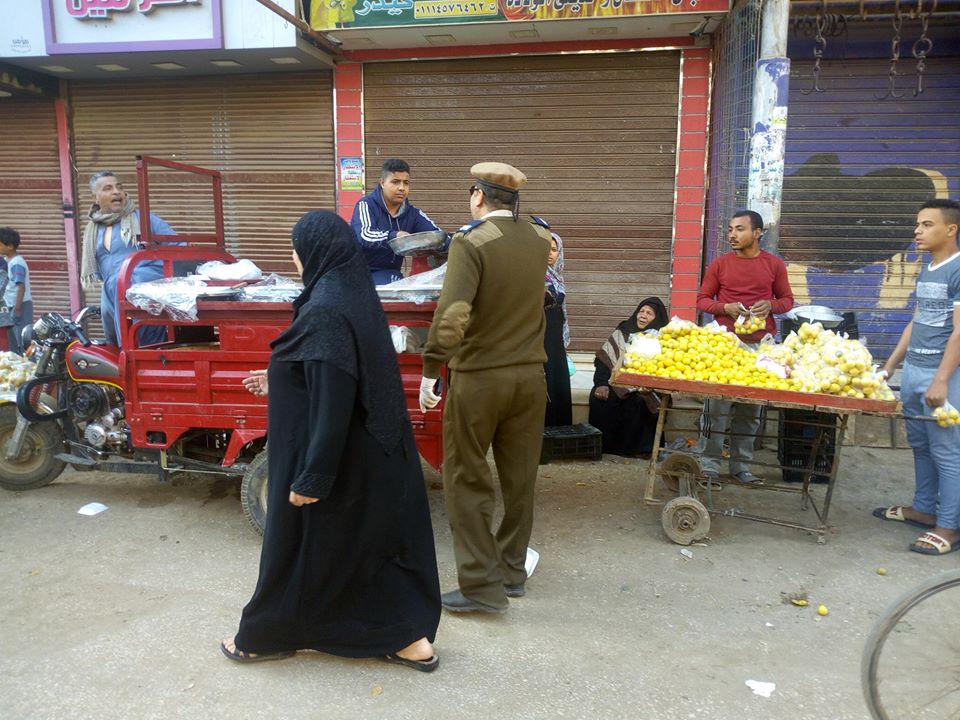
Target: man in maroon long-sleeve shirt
(746, 280)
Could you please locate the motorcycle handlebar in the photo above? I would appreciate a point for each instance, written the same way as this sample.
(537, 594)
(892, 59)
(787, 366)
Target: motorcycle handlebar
(82, 336)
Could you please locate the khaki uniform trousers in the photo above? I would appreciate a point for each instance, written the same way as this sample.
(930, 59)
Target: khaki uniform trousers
(502, 407)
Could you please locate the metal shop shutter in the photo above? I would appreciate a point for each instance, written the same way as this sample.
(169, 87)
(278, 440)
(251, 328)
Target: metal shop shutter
(270, 135)
(31, 200)
(857, 168)
(595, 135)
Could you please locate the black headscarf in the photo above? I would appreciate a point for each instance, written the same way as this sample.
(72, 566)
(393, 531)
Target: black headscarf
(338, 319)
(629, 326)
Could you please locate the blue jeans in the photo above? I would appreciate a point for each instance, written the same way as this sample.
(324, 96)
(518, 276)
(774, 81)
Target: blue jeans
(936, 450)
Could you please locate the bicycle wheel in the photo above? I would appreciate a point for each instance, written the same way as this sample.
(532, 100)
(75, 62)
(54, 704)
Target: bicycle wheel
(911, 662)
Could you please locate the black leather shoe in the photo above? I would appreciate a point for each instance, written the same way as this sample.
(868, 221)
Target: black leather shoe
(455, 601)
(515, 591)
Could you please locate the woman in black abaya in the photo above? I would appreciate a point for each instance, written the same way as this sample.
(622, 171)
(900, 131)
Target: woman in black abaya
(348, 565)
(623, 415)
(556, 337)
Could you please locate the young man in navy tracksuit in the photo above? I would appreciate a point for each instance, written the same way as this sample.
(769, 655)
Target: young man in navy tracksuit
(385, 214)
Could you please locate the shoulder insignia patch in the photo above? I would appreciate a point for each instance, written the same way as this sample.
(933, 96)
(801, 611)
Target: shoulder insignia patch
(470, 226)
(540, 221)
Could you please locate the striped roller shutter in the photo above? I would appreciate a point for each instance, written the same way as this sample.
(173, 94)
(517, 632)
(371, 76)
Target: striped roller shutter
(857, 169)
(595, 134)
(270, 135)
(31, 200)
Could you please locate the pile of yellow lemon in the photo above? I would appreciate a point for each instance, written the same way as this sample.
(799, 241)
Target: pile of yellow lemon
(689, 352)
(946, 415)
(746, 324)
(829, 363)
(812, 360)
(14, 371)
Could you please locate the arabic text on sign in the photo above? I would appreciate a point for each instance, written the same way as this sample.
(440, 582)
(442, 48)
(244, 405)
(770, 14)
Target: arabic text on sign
(86, 9)
(391, 7)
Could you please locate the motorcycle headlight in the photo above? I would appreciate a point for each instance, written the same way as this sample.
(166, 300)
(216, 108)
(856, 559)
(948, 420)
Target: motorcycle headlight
(42, 329)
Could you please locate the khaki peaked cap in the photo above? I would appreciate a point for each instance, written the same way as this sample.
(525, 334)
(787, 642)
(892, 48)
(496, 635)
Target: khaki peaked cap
(498, 175)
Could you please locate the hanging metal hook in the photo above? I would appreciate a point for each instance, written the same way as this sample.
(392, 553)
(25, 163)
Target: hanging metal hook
(818, 48)
(894, 57)
(923, 45)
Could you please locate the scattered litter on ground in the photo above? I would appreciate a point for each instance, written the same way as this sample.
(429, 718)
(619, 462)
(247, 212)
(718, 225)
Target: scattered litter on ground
(799, 598)
(687, 553)
(764, 689)
(530, 564)
(93, 508)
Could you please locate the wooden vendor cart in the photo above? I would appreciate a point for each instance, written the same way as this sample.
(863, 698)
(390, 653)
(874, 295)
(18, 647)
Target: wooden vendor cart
(686, 518)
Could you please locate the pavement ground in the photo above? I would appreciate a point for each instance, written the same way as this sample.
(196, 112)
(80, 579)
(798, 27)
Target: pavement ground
(119, 615)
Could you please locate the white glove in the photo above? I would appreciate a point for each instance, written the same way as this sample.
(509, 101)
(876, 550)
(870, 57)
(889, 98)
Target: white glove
(428, 398)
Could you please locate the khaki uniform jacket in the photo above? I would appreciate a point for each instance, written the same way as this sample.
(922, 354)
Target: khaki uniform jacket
(490, 312)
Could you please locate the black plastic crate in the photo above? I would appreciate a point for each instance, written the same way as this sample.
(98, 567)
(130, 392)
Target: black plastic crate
(561, 442)
(795, 437)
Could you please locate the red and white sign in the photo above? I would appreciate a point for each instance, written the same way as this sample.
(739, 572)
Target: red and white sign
(90, 26)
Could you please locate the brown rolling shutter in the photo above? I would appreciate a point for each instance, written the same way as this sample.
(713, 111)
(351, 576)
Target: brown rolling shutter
(857, 170)
(595, 134)
(30, 198)
(270, 135)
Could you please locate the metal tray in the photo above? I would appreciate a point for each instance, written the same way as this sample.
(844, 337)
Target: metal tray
(418, 243)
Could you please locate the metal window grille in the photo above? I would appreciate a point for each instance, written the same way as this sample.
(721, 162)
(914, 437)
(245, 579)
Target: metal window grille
(736, 50)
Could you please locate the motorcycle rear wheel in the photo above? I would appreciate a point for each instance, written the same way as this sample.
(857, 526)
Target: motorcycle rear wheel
(253, 492)
(36, 465)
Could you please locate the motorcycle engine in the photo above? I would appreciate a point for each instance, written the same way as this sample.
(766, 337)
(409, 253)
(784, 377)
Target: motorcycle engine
(87, 401)
(100, 407)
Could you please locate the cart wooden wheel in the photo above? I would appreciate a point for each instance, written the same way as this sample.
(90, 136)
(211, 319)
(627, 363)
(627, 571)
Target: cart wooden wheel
(675, 466)
(685, 520)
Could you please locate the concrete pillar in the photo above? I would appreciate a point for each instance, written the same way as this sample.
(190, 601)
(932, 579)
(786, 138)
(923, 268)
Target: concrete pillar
(769, 127)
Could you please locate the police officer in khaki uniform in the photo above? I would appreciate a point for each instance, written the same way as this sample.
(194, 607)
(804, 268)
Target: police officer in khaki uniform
(489, 326)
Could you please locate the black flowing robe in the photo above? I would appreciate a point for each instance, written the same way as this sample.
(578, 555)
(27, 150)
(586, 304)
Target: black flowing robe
(625, 418)
(559, 402)
(355, 573)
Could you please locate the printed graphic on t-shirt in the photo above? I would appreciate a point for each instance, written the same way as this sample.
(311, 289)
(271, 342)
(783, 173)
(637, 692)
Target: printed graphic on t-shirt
(934, 307)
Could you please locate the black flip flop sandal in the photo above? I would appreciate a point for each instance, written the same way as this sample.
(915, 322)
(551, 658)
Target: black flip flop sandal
(245, 657)
(421, 665)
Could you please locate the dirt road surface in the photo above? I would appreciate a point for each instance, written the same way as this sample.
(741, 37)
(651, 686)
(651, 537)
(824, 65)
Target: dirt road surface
(119, 615)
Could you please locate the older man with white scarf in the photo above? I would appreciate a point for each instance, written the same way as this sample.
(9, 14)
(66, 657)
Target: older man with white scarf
(112, 234)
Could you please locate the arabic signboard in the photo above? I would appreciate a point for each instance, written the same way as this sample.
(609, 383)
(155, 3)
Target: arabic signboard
(329, 14)
(90, 26)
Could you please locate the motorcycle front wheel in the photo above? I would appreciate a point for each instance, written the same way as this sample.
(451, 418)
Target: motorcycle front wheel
(36, 465)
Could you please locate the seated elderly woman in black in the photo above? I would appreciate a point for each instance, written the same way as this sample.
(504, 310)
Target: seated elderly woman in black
(348, 564)
(623, 415)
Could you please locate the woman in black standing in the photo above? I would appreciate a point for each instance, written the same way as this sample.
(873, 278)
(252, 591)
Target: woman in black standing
(623, 415)
(556, 337)
(348, 565)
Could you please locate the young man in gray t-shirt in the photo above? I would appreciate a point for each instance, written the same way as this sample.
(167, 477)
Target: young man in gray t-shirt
(930, 348)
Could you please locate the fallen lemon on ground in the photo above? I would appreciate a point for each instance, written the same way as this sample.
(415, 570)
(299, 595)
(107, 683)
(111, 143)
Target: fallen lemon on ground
(800, 603)
(822, 610)
(881, 571)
